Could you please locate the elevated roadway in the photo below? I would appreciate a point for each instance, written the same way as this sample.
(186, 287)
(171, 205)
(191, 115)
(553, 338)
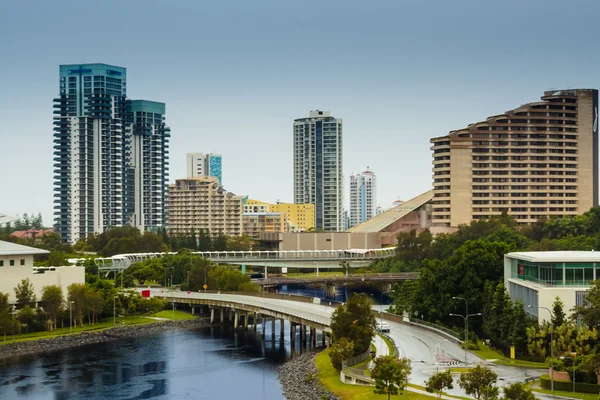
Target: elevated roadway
(335, 279)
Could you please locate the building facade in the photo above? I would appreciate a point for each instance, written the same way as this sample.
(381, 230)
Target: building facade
(297, 217)
(536, 278)
(318, 177)
(202, 203)
(94, 175)
(200, 164)
(255, 223)
(363, 204)
(539, 160)
(148, 164)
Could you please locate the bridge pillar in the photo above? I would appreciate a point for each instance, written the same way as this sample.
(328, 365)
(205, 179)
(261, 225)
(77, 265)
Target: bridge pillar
(323, 337)
(236, 320)
(246, 321)
(222, 315)
(212, 315)
(273, 328)
(281, 327)
(230, 314)
(313, 337)
(254, 321)
(293, 334)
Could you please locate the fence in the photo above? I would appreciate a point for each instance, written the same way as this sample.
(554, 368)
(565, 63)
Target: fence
(437, 327)
(356, 359)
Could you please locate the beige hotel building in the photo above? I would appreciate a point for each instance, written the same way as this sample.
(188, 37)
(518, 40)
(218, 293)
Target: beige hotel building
(539, 160)
(202, 203)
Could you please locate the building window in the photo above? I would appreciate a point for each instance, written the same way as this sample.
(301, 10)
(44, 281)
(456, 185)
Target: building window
(22, 261)
(12, 263)
(1, 263)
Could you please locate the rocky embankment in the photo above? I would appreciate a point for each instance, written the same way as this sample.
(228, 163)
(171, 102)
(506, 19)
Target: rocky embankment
(86, 338)
(299, 379)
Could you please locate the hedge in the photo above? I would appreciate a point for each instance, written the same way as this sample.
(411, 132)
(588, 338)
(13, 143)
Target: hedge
(581, 387)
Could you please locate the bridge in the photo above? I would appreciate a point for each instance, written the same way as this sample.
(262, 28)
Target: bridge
(351, 258)
(335, 279)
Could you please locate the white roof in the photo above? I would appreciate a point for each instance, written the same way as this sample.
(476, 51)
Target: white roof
(9, 249)
(556, 256)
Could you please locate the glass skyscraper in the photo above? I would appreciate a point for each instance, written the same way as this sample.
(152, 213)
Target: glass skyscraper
(318, 175)
(95, 172)
(363, 205)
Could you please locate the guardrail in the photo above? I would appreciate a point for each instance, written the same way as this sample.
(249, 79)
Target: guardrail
(388, 337)
(436, 327)
(355, 375)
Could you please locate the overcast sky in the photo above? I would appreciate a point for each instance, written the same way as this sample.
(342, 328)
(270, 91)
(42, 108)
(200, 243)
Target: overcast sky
(235, 74)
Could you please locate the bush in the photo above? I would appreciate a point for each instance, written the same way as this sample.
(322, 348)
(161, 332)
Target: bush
(581, 387)
(341, 350)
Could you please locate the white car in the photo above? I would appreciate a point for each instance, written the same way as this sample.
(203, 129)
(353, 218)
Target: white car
(383, 327)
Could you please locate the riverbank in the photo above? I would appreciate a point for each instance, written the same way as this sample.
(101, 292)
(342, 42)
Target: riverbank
(85, 338)
(299, 379)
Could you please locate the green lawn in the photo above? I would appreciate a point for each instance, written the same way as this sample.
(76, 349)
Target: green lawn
(490, 354)
(179, 315)
(584, 396)
(389, 344)
(106, 323)
(445, 394)
(330, 378)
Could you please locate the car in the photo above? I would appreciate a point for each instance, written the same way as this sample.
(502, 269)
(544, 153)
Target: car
(383, 327)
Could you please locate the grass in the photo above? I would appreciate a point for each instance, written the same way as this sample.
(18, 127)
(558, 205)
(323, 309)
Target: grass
(389, 344)
(459, 370)
(445, 394)
(491, 354)
(330, 378)
(103, 324)
(576, 395)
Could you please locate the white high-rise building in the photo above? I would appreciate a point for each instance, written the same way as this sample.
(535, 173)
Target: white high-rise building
(200, 164)
(318, 175)
(363, 202)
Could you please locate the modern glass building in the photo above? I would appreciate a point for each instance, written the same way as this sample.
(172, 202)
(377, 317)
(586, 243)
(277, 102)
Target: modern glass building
(537, 278)
(94, 180)
(318, 175)
(201, 164)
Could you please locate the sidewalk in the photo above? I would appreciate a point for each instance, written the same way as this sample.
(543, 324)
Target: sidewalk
(380, 346)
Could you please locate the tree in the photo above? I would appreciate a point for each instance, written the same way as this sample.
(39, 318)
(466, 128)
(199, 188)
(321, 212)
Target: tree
(5, 317)
(77, 295)
(25, 294)
(390, 374)
(518, 391)
(355, 321)
(558, 313)
(53, 303)
(476, 381)
(26, 316)
(589, 312)
(340, 351)
(438, 382)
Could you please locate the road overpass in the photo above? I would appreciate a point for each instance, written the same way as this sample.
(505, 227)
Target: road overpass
(336, 279)
(343, 259)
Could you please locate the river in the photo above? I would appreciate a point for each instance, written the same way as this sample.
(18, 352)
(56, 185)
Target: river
(208, 363)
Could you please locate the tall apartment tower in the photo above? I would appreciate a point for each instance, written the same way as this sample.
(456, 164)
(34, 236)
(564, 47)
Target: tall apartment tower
(149, 165)
(200, 164)
(94, 171)
(539, 160)
(363, 204)
(318, 175)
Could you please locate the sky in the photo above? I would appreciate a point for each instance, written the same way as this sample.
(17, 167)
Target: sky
(235, 74)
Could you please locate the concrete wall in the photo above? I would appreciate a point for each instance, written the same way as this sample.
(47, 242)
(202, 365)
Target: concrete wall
(329, 241)
(10, 277)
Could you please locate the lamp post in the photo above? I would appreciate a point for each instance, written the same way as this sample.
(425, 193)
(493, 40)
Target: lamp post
(466, 318)
(551, 347)
(71, 316)
(573, 358)
(115, 310)
(487, 389)
(466, 322)
(381, 304)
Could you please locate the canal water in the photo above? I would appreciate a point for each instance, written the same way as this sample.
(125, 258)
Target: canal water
(208, 363)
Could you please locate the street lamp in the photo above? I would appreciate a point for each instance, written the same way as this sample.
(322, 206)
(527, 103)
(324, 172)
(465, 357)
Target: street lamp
(381, 303)
(551, 347)
(466, 327)
(487, 390)
(466, 322)
(71, 316)
(115, 310)
(573, 361)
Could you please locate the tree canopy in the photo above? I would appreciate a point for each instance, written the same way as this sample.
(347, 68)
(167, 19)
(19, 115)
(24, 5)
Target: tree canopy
(355, 321)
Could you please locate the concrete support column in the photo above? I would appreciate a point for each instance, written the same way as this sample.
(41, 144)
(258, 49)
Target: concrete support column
(222, 315)
(230, 314)
(212, 315)
(254, 321)
(323, 336)
(292, 333)
(236, 320)
(246, 321)
(273, 327)
(281, 327)
(313, 337)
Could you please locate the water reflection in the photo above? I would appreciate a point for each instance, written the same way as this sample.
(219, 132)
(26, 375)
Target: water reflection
(210, 363)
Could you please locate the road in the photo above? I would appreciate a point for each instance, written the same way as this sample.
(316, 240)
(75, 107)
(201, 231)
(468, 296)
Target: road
(428, 351)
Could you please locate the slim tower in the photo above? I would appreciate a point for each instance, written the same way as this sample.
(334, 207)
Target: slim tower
(363, 204)
(318, 175)
(201, 164)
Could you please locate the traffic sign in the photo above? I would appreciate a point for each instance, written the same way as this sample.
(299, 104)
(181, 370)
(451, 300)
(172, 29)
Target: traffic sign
(205, 286)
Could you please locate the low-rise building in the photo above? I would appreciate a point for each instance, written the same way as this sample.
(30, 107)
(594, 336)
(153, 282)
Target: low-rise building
(536, 278)
(31, 233)
(260, 222)
(16, 264)
(202, 203)
(297, 217)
